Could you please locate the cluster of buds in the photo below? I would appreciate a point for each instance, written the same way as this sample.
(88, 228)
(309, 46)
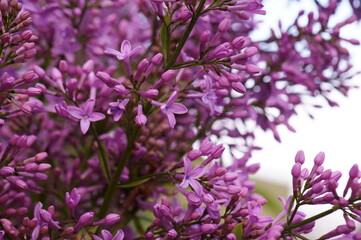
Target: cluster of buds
(17, 44)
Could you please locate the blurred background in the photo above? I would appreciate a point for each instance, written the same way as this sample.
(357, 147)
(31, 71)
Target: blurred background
(336, 131)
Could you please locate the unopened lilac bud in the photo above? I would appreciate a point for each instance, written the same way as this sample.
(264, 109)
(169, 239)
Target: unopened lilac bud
(32, 91)
(193, 199)
(224, 25)
(157, 59)
(29, 76)
(26, 35)
(43, 167)
(239, 87)
(168, 75)
(354, 171)
(121, 89)
(319, 159)
(208, 228)
(112, 219)
(194, 154)
(151, 93)
(40, 176)
(84, 220)
(217, 151)
(73, 198)
(220, 172)
(231, 236)
(251, 51)
(31, 167)
(252, 69)
(172, 234)
(63, 66)
(143, 65)
(56, 74)
(68, 231)
(6, 171)
(41, 156)
(204, 38)
(105, 77)
(88, 66)
(22, 211)
(296, 170)
(38, 70)
(230, 176)
(300, 157)
(232, 189)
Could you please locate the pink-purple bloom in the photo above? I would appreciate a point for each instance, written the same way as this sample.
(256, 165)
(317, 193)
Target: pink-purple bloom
(85, 114)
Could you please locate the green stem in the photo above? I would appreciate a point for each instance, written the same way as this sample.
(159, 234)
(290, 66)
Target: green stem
(311, 219)
(113, 183)
(185, 36)
(102, 154)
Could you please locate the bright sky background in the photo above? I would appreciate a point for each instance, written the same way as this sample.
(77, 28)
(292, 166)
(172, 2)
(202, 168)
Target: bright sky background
(336, 131)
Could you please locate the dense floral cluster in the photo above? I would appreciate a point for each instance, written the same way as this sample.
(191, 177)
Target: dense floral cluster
(112, 126)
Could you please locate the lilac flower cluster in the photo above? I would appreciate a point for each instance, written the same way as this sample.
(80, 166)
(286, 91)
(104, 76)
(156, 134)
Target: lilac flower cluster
(102, 105)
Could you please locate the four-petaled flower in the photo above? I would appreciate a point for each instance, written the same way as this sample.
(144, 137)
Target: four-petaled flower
(190, 176)
(106, 235)
(117, 108)
(125, 53)
(170, 108)
(85, 114)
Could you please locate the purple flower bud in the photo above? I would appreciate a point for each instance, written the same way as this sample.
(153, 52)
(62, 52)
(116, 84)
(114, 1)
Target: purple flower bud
(151, 93)
(84, 220)
(319, 159)
(194, 154)
(6, 171)
(157, 59)
(231, 236)
(300, 157)
(224, 25)
(63, 66)
(172, 234)
(193, 199)
(109, 81)
(112, 219)
(354, 171)
(208, 228)
(239, 87)
(72, 199)
(168, 75)
(47, 217)
(41, 156)
(296, 170)
(31, 167)
(230, 176)
(88, 66)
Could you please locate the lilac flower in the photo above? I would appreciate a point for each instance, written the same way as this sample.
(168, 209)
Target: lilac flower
(124, 55)
(117, 108)
(170, 108)
(85, 114)
(106, 235)
(190, 176)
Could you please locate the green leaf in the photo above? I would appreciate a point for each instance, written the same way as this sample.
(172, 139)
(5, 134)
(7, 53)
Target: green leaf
(238, 231)
(134, 183)
(164, 37)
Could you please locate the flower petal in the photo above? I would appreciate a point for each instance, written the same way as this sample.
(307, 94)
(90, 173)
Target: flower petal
(197, 187)
(126, 48)
(184, 183)
(135, 51)
(187, 166)
(75, 112)
(119, 235)
(112, 52)
(84, 125)
(96, 116)
(88, 106)
(177, 108)
(106, 235)
(198, 172)
(171, 119)
(172, 98)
